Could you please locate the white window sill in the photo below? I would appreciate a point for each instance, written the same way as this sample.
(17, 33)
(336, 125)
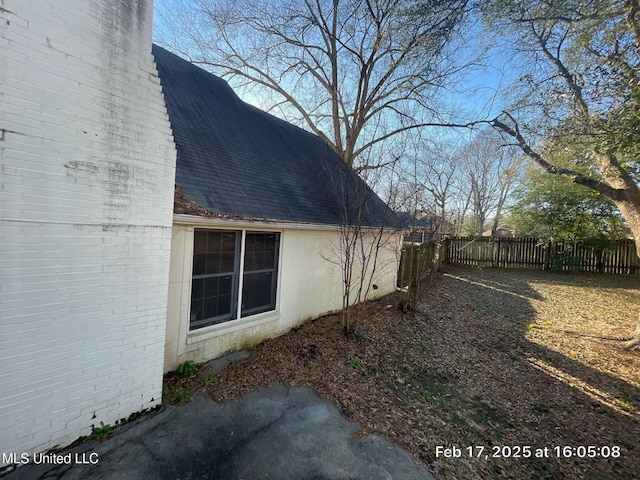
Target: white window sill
(205, 333)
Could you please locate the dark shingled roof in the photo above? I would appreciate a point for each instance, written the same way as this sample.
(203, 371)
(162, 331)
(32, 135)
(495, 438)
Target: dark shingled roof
(236, 160)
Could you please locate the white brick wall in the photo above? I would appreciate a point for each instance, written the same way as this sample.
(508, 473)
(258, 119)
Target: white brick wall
(87, 168)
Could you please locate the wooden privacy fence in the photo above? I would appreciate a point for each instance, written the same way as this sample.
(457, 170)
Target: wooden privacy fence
(417, 262)
(615, 256)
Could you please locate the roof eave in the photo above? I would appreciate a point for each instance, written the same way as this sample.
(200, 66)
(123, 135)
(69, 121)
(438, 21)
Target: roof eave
(184, 219)
(261, 223)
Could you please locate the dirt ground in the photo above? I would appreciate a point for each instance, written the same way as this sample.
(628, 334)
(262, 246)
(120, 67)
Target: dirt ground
(490, 367)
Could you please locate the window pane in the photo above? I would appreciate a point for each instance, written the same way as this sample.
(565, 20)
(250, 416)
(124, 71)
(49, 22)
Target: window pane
(250, 242)
(214, 294)
(210, 305)
(197, 288)
(196, 310)
(224, 305)
(227, 264)
(259, 242)
(200, 242)
(199, 263)
(225, 285)
(257, 292)
(214, 243)
(260, 251)
(228, 242)
(210, 287)
(269, 251)
(249, 261)
(213, 263)
(260, 272)
(271, 242)
(214, 252)
(249, 249)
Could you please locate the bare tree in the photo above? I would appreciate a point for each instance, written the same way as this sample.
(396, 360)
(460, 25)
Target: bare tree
(429, 179)
(363, 236)
(491, 170)
(438, 176)
(354, 72)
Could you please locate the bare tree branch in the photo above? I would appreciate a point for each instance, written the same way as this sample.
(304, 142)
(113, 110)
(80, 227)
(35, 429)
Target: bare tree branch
(574, 176)
(344, 68)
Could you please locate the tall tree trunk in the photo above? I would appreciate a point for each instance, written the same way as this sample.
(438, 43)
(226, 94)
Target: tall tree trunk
(631, 212)
(481, 221)
(494, 227)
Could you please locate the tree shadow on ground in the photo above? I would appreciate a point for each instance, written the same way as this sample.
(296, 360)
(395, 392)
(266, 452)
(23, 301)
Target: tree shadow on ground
(515, 391)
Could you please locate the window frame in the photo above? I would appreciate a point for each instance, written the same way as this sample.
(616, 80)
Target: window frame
(274, 276)
(208, 321)
(238, 277)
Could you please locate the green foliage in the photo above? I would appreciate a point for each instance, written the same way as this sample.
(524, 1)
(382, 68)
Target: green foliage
(458, 419)
(101, 432)
(563, 260)
(541, 406)
(470, 227)
(187, 369)
(626, 406)
(209, 379)
(183, 396)
(549, 206)
(354, 362)
(575, 107)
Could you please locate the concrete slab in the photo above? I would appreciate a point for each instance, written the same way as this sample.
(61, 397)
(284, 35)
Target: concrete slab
(215, 366)
(276, 433)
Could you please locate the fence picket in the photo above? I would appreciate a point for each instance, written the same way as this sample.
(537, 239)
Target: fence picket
(528, 252)
(417, 261)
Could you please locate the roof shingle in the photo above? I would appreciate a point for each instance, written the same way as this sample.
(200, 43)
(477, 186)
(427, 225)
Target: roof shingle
(234, 159)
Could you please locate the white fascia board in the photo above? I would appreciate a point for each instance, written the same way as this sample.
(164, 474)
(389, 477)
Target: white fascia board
(183, 219)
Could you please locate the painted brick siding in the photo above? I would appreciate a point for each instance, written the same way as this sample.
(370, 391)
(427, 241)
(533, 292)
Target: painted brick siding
(309, 286)
(87, 167)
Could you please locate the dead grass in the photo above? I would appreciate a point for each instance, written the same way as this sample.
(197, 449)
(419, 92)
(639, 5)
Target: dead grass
(486, 362)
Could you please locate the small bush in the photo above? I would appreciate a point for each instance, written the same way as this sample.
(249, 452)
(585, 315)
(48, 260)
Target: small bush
(541, 406)
(354, 362)
(183, 396)
(564, 259)
(187, 369)
(101, 432)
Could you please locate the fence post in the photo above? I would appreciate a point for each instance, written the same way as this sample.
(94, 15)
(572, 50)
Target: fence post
(401, 268)
(444, 250)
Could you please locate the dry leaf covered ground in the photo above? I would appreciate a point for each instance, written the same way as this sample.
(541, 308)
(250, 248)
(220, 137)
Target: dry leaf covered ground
(488, 365)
